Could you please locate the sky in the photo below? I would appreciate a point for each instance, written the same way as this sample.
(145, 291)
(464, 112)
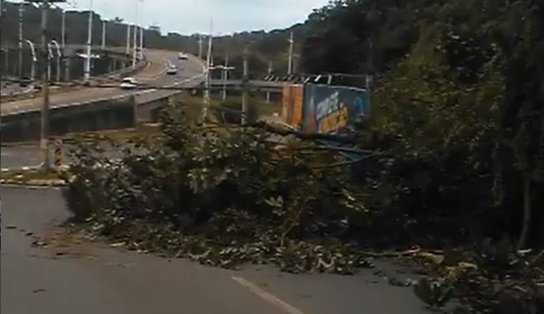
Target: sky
(193, 16)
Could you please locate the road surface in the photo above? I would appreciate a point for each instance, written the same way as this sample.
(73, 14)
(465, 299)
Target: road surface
(92, 278)
(155, 74)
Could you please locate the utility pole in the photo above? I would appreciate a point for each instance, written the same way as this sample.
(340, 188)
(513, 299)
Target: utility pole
(20, 64)
(225, 77)
(290, 62)
(269, 74)
(44, 131)
(245, 81)
(135, 44)
(207, 82)
(104, 35)
(87, 71)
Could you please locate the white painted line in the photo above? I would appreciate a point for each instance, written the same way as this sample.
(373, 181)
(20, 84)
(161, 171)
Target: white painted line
(31, 187)
(287, 308)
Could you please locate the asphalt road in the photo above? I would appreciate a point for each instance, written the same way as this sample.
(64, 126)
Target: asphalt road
(91, 278)
(154, 74)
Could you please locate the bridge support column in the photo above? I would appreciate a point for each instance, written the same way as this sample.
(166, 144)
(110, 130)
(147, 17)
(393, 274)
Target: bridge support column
(67, 77)
(135, 110)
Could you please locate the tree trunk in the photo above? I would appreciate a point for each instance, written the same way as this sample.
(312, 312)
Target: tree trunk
(526, 211)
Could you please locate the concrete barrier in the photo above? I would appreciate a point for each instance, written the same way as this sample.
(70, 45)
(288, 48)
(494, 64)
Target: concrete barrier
(117, 113)
(92, 116)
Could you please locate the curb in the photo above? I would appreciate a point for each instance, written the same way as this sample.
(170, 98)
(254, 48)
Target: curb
(35, 183)
(25, 168)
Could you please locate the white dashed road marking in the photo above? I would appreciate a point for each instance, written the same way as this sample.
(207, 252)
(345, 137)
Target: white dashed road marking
(287, 308)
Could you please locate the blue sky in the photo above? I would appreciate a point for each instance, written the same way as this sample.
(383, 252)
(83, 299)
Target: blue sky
(192, 16)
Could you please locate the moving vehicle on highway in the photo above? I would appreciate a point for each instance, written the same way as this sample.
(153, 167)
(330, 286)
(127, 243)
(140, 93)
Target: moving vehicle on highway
(172, 70)
(183, 56)
(129, 83)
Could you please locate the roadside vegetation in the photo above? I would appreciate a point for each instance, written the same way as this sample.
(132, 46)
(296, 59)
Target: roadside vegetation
(37, 177)
(450, 170)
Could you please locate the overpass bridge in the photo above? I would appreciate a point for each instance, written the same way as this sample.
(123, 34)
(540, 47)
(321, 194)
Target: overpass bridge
(81, 108)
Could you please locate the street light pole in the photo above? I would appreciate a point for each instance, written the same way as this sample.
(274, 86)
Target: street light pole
(49, 57)
(141, 55)
(20, 64)
(135, 44)
(103, 35)
(87, 71)
(200, 46)
(127, 51)
(135, 37)
(59, 57)
(34, 60)
(63, 30)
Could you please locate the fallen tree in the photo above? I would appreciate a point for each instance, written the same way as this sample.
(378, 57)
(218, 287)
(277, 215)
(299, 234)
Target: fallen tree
(223, 196)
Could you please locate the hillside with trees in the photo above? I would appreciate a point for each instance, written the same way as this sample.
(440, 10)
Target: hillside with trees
(263, 46)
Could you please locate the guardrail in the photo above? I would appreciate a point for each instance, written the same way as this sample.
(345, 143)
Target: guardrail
(75, 85)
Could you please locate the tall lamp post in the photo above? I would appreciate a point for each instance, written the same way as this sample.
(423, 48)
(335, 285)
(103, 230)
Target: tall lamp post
(59, 57)
(34, 60)
(20, 59)
(87, 70)
(44, 130)
(141, 54)
(63, 29)
(103, 35)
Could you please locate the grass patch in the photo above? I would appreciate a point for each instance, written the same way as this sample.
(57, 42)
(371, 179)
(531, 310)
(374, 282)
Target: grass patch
(118, 134)
(25, 176)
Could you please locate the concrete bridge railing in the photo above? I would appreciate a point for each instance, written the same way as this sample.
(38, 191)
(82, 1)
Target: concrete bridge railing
(62, 87)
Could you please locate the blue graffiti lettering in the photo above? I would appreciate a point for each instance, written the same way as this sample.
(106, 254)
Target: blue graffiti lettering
(327, 106)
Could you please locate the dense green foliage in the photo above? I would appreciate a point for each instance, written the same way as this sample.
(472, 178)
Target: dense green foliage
(459, 125)
(458, 101)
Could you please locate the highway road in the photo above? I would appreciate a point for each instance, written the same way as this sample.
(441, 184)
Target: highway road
(78, 277)
(189, 74)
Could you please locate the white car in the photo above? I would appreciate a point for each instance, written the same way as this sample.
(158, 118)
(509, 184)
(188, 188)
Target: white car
(183, 56)
(172, 70)
(129, 83)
